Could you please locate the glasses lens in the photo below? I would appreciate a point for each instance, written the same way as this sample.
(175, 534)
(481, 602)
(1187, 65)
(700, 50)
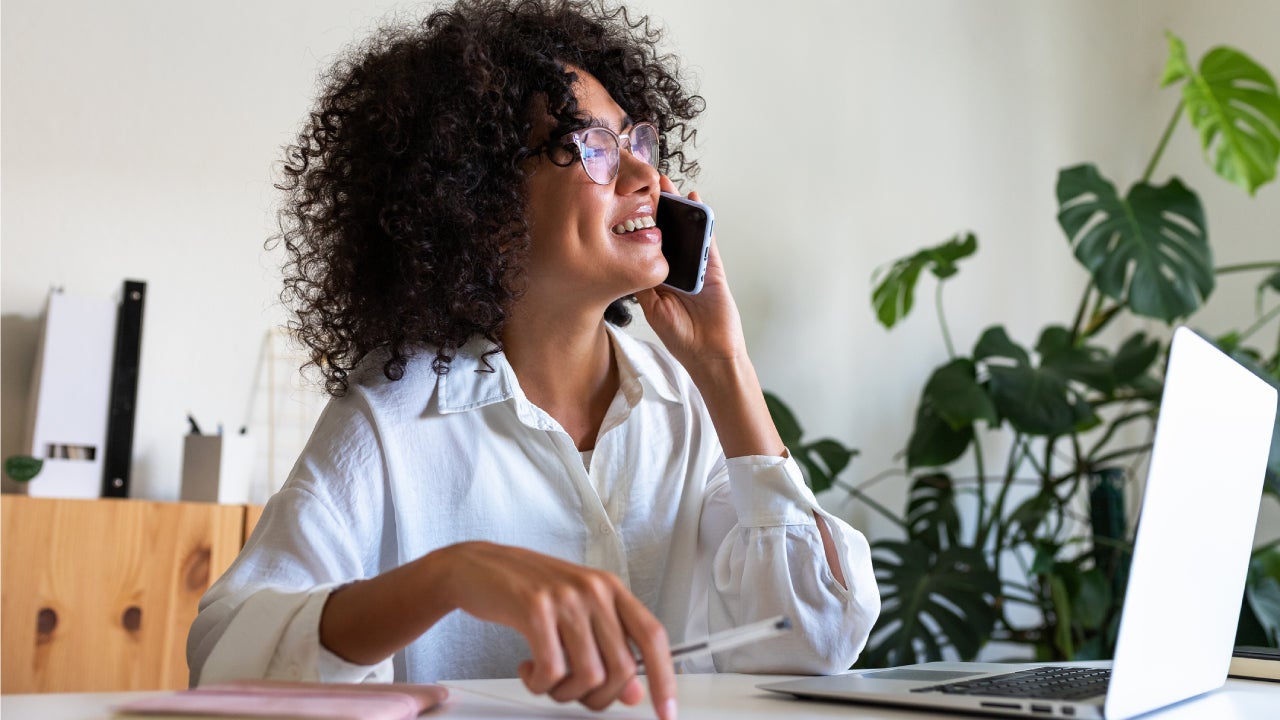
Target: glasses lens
(644, 143)
(599, 149)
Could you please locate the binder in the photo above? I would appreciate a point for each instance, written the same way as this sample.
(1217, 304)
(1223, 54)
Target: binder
(124, 390)
(70, 396)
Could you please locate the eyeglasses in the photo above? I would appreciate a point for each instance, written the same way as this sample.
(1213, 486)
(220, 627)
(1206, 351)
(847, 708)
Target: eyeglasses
(600, 149)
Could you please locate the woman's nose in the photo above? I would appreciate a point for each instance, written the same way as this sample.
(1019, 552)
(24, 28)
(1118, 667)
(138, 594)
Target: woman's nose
(634, 174)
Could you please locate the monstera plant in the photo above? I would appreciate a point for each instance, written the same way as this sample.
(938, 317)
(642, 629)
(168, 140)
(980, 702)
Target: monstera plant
(1046, 527)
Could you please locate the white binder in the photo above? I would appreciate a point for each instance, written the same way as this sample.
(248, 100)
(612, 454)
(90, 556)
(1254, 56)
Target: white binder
(70, 395)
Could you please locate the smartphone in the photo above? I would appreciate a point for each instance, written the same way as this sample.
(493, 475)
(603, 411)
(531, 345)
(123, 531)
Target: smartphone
(686, 241)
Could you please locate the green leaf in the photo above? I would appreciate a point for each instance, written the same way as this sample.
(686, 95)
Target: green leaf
(1034, 402)
(1272, 281)
(1092, 602)
(22, 468)
(932, 518)
(1040, 401)
(815, 476)
(1177, 67)
(783, 419)
(995, 342)
(956, 396)
(1025, 520)
(1082, 363)
(1148, 250)
(822, 461)
(833, 454)
(933, 441)
(1061, 601)
(1134, 357)
(1263, 596)
(1234, 106)
(894, 293)
(920, 590)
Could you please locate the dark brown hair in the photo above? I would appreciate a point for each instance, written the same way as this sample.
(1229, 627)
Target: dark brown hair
(404, 222)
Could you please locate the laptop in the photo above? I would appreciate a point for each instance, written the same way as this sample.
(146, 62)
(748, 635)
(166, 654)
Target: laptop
(1190, 557)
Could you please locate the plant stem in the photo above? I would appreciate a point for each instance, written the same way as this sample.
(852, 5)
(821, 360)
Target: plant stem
(1273, 312)
(982, 477)
(942, 321)
(873, 504)
(1164, 140)
(1135, 450)
(1246, 267)
(1111, 431)
(1084, 303)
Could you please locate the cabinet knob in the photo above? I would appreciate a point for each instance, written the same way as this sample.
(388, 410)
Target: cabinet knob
(46, 623)
(196, 574)
(131, 618)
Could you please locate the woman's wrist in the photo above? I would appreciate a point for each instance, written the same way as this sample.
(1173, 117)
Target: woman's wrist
(367, 621)
(735, 401)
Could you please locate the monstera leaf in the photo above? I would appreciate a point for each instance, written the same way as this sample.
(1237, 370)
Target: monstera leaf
(930, 600)
(1148, 250)
(951, 403)
(1035, 400)
(1233, 104)
(934, 592)
(895, 293)
(821, 460)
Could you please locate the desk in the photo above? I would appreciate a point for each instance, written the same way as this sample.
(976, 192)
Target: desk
(702, 697)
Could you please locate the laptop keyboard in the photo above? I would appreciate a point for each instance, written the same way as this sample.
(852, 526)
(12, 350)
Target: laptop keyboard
(1044, 683)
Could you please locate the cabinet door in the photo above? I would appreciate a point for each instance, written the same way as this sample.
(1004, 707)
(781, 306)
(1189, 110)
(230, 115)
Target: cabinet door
(98, 595)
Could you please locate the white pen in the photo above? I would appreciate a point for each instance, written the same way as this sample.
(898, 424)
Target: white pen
(731, 638)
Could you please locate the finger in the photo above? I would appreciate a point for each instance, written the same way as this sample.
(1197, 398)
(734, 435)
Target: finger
(665, 185)
(547, 668)
(632, 693)
(651, 638)
(619, 664)
(586, 670)
(694, 196)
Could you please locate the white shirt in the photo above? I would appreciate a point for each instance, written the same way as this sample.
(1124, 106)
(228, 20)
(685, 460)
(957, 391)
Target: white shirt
(396, 469)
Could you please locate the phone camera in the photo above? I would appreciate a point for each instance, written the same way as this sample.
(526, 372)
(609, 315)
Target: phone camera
(696, 215)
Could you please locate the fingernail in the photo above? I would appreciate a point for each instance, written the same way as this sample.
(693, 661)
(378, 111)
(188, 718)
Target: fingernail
(669, 709)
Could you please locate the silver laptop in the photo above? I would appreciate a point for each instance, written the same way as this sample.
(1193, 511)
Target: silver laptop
(1190, 558)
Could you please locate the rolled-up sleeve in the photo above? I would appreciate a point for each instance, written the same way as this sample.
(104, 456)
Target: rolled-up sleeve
(261, 619)
(763, 548)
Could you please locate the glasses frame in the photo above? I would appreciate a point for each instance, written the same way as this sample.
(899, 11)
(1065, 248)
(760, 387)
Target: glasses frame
(579, 141)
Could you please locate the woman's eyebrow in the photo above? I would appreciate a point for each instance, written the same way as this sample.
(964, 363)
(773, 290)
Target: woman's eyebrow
(627, 122)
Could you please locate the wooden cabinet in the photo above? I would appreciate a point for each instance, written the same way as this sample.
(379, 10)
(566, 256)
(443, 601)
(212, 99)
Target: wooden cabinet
(98, 595)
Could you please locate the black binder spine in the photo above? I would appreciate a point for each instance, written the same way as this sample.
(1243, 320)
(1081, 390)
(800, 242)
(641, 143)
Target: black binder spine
(124, 391)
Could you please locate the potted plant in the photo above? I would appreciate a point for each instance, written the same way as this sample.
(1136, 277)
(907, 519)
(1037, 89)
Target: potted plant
(1045, 526)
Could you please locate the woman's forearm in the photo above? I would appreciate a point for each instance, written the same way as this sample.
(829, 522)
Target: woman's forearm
(736, 403)
(370, 620)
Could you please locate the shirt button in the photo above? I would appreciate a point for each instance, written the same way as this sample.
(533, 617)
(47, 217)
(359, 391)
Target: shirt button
(605, 529)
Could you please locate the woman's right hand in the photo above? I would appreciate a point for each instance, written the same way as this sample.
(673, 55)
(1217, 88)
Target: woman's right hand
(580, 623)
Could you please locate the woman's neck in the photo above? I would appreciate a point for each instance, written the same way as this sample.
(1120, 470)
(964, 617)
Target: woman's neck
(566, 367)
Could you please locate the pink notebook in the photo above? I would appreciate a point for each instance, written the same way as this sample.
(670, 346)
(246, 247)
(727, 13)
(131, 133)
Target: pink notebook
(303, 700)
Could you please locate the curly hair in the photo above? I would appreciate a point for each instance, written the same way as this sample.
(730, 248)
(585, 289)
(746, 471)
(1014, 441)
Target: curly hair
(405, 191)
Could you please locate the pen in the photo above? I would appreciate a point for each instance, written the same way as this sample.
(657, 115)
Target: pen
(731, 638)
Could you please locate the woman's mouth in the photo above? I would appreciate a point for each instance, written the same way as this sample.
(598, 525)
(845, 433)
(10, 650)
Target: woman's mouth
(634, 224)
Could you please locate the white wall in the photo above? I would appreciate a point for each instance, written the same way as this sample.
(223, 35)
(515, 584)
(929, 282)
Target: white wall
(140, 140)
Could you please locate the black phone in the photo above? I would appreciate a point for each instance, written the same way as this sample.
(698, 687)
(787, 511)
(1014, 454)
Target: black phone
(686, 241)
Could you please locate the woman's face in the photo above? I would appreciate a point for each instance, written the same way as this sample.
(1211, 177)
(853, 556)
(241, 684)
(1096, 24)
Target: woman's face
(578, 256)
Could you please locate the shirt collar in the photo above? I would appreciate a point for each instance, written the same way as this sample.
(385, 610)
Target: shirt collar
(470, 384)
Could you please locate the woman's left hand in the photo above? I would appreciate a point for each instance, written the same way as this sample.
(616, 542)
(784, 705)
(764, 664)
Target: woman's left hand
(700, 330)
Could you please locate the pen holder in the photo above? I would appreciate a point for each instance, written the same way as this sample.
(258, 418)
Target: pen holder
(217, 468)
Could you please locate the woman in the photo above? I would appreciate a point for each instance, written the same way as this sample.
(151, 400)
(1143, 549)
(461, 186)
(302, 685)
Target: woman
(469, 202)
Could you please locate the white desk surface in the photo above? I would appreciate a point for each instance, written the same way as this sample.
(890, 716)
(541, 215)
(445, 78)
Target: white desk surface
(701, 697)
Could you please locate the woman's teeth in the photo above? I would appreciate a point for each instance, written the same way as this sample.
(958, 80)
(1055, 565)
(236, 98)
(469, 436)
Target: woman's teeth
(641, 223)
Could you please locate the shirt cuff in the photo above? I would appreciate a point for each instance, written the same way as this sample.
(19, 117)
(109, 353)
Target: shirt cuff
(768, 490)
(301, 656)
